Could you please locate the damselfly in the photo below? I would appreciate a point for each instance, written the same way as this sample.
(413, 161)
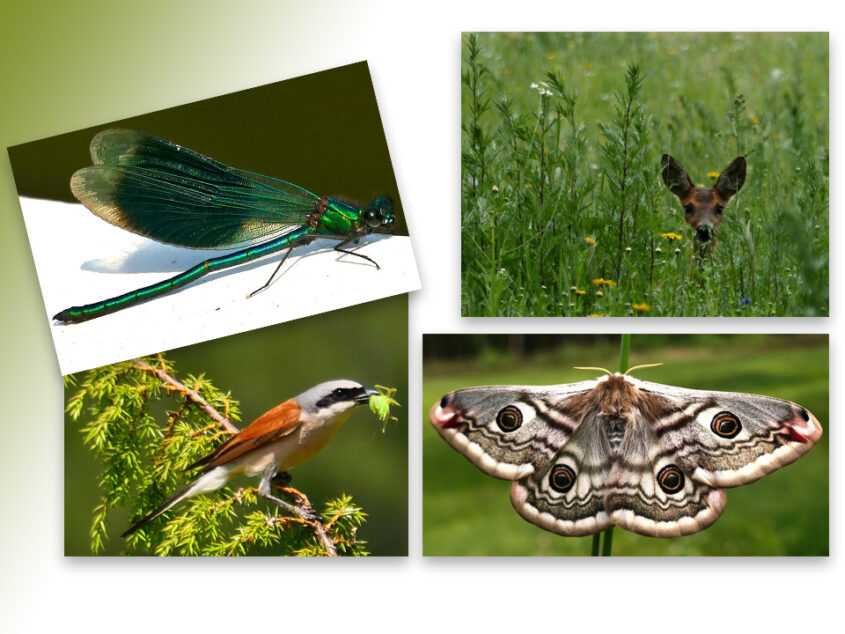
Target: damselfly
(174, 195)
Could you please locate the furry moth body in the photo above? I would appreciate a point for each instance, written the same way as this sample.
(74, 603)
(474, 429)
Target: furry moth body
(650, 458)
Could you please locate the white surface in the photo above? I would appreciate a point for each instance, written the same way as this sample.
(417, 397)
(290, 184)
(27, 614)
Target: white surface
(81, 259)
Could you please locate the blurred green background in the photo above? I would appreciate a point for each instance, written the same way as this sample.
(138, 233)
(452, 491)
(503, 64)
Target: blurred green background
(466, 512)
(262, 368)
(321, 131)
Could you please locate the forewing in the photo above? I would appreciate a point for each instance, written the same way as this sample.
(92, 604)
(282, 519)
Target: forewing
(174, 195)
(507, 431)
(726, 439)
(271, 426)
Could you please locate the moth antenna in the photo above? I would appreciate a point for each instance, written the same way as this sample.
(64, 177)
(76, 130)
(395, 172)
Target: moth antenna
(590, 368)
(640, 367)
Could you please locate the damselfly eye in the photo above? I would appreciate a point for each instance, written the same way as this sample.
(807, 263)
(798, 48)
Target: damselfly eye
(725, 425)
(379, 213)
(372, 218)
(509, 419)
(561, 478)
(670, 479)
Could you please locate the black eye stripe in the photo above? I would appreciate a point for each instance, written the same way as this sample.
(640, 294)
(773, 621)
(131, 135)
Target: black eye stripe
(341, 395)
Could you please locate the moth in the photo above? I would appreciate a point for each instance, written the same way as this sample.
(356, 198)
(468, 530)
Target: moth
(617, 451)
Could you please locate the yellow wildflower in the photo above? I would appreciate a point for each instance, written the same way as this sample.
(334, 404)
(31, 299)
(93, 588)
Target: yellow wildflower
(603, 282)
(599, 294)
(712, 174)
(754, 120)
(527, 185)
(596, 315)
(590, 241)
(671, 236)
(641, 307)
(495, 188)
(578, 291)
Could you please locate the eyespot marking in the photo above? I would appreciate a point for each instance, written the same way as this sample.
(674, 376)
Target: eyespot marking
(726, 425)
(509, 418)
(671, 479)
(561, 478)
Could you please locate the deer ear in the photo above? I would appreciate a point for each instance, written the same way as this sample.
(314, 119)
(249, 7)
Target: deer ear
(731, 179)
(676, 177)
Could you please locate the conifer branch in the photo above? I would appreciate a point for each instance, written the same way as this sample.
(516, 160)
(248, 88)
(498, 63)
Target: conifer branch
(191, 395)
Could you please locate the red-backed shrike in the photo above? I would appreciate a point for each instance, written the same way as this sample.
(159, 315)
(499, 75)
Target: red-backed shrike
(284, 437)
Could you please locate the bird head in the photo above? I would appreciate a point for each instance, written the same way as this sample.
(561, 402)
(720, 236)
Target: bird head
(334, 398)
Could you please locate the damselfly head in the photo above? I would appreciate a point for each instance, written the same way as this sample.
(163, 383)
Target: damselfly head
(379, 213)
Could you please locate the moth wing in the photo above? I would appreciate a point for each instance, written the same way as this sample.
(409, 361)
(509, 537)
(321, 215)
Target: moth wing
(567, 496)
(726, 439)
(507, 431)
(650, 494)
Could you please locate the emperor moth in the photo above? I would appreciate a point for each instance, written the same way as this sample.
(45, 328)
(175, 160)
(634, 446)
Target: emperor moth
(651, 458)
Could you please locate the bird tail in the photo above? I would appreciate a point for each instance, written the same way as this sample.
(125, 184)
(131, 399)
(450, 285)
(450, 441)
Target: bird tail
(161, 509)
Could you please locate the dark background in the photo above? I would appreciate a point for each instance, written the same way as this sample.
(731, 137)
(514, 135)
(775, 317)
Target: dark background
(321, 131)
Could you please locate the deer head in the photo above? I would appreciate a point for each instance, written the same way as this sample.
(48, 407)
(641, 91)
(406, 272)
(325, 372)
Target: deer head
(703, 206)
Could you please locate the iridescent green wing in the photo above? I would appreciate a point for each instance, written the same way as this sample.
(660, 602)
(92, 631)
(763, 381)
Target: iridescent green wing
(174, 195)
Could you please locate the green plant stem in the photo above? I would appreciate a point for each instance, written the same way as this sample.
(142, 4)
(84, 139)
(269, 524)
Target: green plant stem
(607, 546)
(624, 348)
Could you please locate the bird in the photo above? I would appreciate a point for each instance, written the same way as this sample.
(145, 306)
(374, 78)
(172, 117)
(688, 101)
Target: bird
(281, 438)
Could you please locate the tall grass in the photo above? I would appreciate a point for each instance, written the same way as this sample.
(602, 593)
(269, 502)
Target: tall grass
(564, 210)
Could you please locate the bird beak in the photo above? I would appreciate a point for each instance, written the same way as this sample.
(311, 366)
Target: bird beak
(368, 392)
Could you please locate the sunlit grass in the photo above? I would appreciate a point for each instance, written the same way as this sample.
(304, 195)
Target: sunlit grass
(562, 138)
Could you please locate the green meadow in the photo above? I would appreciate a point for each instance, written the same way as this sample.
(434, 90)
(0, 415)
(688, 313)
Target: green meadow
(564, 212)
(466, 512)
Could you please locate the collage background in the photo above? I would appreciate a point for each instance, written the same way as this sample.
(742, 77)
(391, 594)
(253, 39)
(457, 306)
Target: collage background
(64, 67)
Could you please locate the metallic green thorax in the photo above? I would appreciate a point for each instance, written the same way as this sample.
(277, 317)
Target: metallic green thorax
(340, 218)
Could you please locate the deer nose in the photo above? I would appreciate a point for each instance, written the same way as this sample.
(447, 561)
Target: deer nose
(704, 233)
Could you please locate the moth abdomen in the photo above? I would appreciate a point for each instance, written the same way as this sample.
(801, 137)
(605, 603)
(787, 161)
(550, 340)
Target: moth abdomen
(614, 433)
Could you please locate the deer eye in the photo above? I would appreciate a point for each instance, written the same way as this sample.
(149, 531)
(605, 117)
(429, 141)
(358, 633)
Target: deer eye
(688, 209)
(719, 209)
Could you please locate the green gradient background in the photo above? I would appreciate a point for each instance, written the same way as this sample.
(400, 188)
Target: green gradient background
(69, 66)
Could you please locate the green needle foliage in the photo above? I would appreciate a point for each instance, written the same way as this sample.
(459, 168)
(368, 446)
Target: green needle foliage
(145, 433)
(564, 212)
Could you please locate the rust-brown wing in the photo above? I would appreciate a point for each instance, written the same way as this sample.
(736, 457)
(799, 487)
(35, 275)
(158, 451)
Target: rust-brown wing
(269, 427)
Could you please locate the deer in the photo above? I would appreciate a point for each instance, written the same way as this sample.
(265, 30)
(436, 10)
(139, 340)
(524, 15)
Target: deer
(703, 206)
